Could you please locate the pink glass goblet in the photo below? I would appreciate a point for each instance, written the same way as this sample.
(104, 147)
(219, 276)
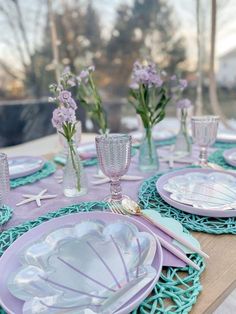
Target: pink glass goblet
(114, 155)
(204, 132)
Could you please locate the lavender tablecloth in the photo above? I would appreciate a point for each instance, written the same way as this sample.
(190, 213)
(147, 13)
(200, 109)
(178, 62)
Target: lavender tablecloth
(95, 192)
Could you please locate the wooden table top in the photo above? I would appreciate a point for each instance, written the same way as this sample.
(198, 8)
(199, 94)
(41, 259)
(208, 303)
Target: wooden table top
(219, 278)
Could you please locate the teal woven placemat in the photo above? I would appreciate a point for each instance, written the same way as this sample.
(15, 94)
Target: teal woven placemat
(47, 169)
(5, 214)
(217, 157)
(149, 198)
(222, 145)
(176, 291)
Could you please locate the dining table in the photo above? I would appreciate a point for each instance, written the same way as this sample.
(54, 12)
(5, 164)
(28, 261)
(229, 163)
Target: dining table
(218, 279)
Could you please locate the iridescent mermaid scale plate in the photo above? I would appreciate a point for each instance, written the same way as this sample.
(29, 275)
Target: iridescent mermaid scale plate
(83, 268)
(202, 192)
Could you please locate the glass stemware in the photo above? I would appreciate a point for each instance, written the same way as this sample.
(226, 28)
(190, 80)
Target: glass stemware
(204, 132)
(4, 179)
(114, 155)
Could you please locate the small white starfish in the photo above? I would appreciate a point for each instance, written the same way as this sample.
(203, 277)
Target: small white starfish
(37, 198)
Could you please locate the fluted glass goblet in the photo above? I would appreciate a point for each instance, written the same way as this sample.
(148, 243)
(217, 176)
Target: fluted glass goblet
(4, 179)
(114, 155)
(204, 132)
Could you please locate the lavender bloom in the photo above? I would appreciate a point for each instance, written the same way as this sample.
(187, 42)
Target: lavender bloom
(183, 84)
(84, 76)
(146, 75)
(184, 103)
(66, 70)
(62, 115)
(71, 103)
(71, 82)
(64, 96)
(66, 99)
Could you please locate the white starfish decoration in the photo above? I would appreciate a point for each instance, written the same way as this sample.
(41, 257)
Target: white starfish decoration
(37, 198)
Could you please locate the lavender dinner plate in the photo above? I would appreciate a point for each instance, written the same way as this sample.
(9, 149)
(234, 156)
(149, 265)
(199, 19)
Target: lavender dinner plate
(10, 260)
(188, 208)
(22, 166)
(230, 156)
(226, 137)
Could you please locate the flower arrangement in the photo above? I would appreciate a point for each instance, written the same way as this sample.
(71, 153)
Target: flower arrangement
(86, 93)
(64, 118)
(89, 96)
(149, 95)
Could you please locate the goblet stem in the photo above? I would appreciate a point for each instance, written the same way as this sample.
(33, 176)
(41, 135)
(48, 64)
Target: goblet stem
(203, 156)
(116, 192)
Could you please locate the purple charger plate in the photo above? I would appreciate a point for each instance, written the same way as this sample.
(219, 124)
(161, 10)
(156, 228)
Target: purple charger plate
(39, 163)
(227, 154)
(188, 208)
(10, 260)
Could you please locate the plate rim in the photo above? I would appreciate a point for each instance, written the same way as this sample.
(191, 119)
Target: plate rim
(226, 156)
(128, 306)
(187, 208)
(26, 173)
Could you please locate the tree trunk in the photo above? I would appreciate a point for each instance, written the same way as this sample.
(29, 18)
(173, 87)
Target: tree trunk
(213, 87)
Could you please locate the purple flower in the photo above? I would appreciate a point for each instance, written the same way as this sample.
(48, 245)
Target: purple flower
(184, 103)
(71, 82)
(62, 115)
(183, 84)
(84, 76)
(66, 99)
(146, 75)
(173, 77)
(66, 70)
(71, 103)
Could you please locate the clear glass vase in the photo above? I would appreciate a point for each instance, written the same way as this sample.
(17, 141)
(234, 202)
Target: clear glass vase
(148, 158)
(183, 142)
(106, 132)
(74, 180)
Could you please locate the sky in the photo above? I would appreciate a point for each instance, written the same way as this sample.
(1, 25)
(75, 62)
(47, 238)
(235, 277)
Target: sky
(185, 14)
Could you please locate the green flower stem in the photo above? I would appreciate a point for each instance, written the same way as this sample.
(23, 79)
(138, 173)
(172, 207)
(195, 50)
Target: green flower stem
(75, 164)
(149, 138)
(184, 127)
(98, 112)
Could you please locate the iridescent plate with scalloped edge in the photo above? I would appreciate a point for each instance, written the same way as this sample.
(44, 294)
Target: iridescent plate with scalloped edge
(21, 166)
(88, 267)
(200, 191)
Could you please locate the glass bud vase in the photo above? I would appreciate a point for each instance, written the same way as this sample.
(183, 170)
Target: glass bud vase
(148, 158)
(74, 180)
(183, 142)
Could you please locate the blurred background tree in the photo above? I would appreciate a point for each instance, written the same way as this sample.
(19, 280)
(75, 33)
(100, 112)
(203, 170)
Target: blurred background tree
(141, 29)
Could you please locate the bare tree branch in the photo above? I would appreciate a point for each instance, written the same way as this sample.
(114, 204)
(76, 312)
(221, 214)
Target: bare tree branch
(7, 69)
(213, 88)
(22, 27)
(15, 34)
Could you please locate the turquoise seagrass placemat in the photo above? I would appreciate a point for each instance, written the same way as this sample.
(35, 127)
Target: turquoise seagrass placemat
(5, 215)
(217, 157)
(176, 291)
(47, 170)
